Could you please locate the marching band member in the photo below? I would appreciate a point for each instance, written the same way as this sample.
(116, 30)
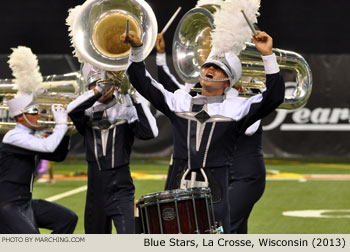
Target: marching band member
(19, 151)
(109, 128)
(206, 127)
(109, 121)
(171, 84)
(247, 175)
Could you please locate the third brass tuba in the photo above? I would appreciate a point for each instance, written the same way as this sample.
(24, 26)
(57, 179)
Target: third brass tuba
(192, 45)
(55, 89)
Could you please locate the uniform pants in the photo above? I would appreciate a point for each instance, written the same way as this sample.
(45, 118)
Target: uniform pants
(222, 206)
(17, 218)
(110, 197)
(26, 217)
(55, 217)
(246, 186)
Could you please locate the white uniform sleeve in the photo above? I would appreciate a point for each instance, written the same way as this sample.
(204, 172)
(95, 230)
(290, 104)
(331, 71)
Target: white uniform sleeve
(79, 100)
(270, 64)
(33, 143)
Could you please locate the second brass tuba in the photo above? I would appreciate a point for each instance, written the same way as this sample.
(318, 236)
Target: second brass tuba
(192, 45)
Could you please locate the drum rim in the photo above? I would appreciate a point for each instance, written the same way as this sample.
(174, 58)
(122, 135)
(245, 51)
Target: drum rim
(168, 196)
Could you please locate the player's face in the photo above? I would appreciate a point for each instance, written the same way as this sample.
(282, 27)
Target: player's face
(33, 118)
(213, 72)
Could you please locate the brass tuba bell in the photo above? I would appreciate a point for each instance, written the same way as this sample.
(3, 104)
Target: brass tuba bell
(96, 35)
(99, 24)
(192, 45)
(55, 89)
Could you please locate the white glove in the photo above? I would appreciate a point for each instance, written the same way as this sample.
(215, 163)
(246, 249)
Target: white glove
(59, 114)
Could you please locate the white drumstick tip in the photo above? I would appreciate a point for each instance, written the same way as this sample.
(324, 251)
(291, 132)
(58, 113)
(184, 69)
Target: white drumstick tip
(171, 20)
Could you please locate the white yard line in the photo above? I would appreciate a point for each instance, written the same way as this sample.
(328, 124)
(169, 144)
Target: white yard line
(67, 194)
(322, 213)
(306, 177)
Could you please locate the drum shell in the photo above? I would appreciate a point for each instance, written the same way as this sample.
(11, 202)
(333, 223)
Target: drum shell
(186, 211)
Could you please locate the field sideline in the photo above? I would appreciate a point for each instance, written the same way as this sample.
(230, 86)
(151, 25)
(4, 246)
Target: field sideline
(293, 186)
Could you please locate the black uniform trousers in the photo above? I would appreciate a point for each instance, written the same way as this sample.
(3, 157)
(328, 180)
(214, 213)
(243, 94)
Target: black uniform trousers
(17, 218)
(247, 178)
(27, 216)
(221, 205)
(55, 217)
(110, 197)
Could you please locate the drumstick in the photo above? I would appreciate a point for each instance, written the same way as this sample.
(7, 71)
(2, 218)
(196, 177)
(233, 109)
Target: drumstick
(171, 20)
(249, 23)
(127, 28)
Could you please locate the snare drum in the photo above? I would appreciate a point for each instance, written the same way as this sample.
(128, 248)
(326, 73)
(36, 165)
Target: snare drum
(185, 211)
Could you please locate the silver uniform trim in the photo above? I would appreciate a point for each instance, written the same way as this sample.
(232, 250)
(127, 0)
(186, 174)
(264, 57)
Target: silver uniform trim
(215, 118)
(188, 141)
(199, 134)
(31, 183)
(208, 144)
(207, 100)
(95, 150)
(150, 118)
(118, 122)
(200, 130)
(113, 145)
(200, 126)
(104, 138)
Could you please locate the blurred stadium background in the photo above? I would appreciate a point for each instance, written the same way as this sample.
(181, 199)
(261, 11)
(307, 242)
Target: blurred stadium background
(307, 150)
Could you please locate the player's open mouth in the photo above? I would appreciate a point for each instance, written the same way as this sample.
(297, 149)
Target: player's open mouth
(209, 75)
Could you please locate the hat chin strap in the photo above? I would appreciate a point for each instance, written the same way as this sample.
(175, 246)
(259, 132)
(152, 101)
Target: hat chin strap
(214, 80)
(31, 124)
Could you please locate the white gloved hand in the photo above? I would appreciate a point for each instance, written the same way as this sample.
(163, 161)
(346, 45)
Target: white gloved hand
(59, 114)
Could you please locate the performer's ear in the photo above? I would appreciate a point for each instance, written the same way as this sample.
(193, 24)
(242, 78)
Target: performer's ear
(19, 118)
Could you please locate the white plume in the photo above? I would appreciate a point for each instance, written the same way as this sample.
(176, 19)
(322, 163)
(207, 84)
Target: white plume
(72, 13)
(25, 69)
(231, 29)
(206, 2)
